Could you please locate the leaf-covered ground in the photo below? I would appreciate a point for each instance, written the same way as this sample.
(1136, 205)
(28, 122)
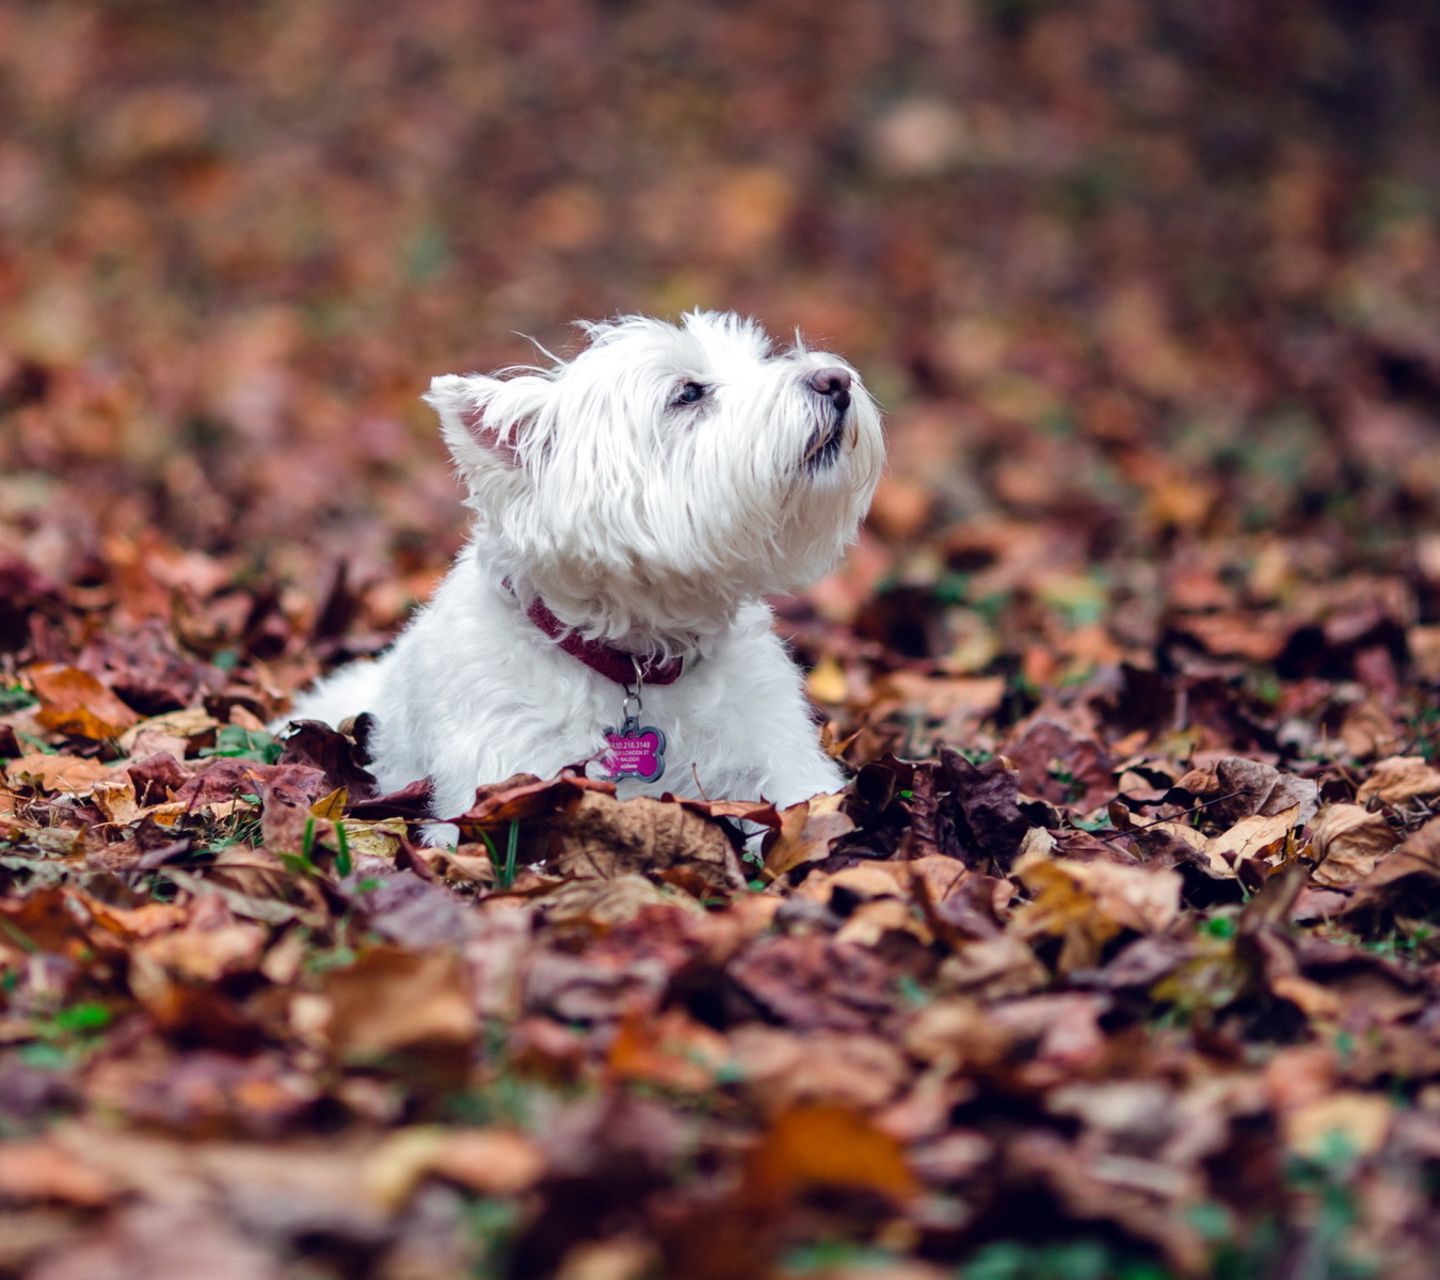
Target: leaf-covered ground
(1118, 957)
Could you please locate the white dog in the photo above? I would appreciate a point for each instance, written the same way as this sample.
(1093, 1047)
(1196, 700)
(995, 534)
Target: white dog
(632, 506)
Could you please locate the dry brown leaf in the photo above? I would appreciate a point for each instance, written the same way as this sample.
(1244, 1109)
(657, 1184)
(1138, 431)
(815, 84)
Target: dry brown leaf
(807, 831)
(391, 999)
(957, 1032)
(1360, 1120)
(1399, 778)
(1198, 841)
(1348, 841)
(470, 863)
(866, 881)
(41, 1171)
(1235, 787)
(1252, 837)
(995, 968)
(784, 1069)
(940, 875)
(871, 921)
(193, 722)
(1088, 903)
(669, 1049)
(1314, 999)
(610, 901)
(604, 838)
(115, 798)
(71, 775)
(491, 1162)
(73, 701)
(942, 698)
(211, 945)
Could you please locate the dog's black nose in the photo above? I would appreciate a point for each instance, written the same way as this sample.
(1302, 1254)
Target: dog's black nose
(834, 383)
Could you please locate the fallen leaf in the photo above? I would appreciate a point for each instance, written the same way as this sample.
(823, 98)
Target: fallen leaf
(1360, 1122)
(157, 778)
(669, 1049)
(1234, 788)
(1088, 903)
(340, 761)
(825, 1145)
(611, 901)
(807, 831)
(603, 837)
(391, 999)
(1252, 837)
(191, 723)
(988, 799)
(1348, 841)
(41, 1171)
(784, 1069)
(115, 798)
(73, 701)
(72, 775)
(489, 1162)
(1399, 778)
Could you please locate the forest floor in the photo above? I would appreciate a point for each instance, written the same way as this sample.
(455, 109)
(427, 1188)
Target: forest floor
(1097, 966)
(1117, 958)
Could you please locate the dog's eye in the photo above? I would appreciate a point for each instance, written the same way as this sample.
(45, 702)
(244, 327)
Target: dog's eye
(690, 393)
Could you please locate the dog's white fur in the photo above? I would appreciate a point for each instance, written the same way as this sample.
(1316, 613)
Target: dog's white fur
(653, 524)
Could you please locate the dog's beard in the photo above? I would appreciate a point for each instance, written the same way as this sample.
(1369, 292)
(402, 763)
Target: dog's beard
(825, 443)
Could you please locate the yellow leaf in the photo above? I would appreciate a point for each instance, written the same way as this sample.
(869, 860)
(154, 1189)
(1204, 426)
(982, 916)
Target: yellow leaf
(827, 681)
(1360, 1120)
(331, 806)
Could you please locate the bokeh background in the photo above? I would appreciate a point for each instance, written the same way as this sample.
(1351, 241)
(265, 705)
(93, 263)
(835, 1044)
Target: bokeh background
(1149, 291)
(1137, 283)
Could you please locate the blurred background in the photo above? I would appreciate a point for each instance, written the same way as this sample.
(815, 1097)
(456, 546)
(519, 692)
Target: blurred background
(1148, 290)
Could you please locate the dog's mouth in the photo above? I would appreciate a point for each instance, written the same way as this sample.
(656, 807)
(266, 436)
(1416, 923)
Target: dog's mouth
(825, 444)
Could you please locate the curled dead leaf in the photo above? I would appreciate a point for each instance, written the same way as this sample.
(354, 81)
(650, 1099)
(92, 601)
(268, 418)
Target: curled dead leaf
(1088, 903)
(807, 830)
(191, 724)
(1348, 840)
(1253, 837)
(1399, 778)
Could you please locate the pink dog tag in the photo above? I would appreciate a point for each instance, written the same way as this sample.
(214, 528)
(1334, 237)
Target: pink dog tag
(635, 753)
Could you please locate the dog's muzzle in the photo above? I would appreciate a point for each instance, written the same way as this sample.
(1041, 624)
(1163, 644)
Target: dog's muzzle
(824, 446)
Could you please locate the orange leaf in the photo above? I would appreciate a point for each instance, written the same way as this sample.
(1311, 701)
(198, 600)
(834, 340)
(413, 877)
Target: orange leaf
(73, 701)
(826, 1145)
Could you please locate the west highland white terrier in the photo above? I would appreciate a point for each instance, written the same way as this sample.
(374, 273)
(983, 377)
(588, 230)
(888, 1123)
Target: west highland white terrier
(633, 506)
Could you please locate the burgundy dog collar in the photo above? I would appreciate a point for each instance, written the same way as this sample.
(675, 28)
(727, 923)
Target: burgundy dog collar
(612, 663)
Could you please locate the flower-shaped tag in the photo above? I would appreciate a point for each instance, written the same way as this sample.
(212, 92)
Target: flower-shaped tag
(635, 753)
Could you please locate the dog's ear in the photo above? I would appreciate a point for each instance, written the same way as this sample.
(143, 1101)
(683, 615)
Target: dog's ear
(487, 421)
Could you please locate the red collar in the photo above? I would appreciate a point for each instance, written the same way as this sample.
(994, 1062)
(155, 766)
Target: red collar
(612, 663)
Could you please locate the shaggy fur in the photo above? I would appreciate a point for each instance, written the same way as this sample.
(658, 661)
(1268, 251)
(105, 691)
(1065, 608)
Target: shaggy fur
(650, 491)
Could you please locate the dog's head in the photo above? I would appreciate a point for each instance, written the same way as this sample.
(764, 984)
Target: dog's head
(664, 474)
